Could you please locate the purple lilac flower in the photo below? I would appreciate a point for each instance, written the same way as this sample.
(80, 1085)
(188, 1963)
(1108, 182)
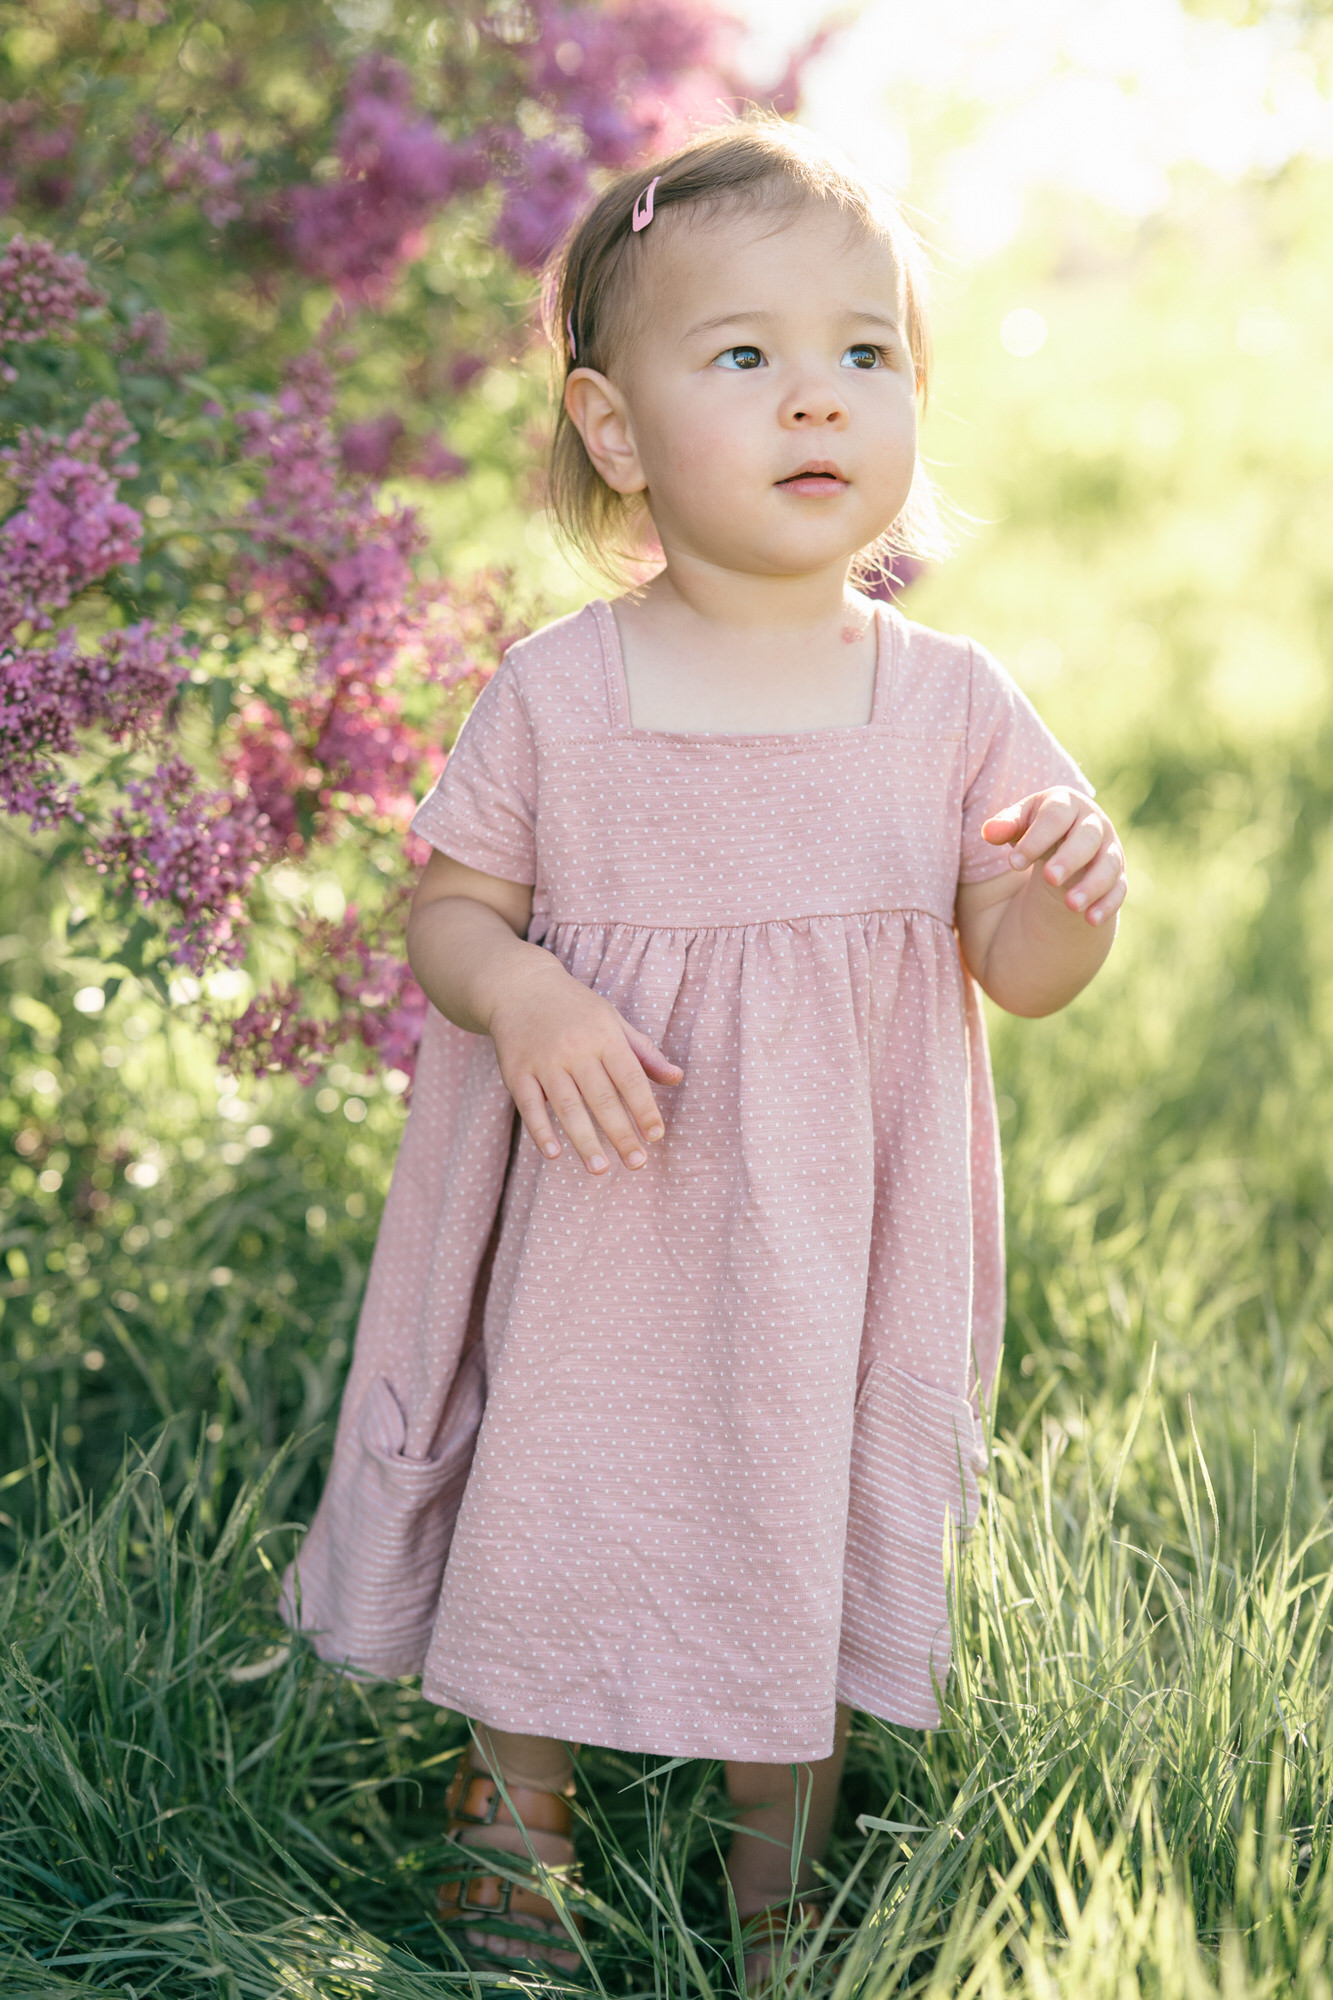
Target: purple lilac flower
(368, 447)
(190, 851)
(433, 459)
(397, 169)
(42, 293)
(48, 694)
(71, 532)
(547, 191)
(275, 1032)
(210, 173)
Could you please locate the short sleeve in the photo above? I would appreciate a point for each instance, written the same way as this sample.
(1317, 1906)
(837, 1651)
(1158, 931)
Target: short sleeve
(482, 810)
(1010, 753)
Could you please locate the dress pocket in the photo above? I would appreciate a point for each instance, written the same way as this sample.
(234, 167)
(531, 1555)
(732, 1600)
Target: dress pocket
(372, 1565)
(916, 1455)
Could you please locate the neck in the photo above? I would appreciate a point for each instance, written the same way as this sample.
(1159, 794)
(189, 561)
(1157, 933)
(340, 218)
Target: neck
(743, 602)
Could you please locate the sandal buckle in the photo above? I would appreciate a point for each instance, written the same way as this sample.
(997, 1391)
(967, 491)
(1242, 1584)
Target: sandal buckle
(461, 1797)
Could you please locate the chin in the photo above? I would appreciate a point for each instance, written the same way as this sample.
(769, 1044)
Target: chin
(801, 558)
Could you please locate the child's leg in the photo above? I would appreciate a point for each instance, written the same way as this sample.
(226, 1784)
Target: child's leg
(546, 1766)
(538, 1761)
(770, 1800)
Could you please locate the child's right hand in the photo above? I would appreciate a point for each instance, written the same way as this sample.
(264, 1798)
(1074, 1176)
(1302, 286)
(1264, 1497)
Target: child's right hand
(564, 1049)
(561, 1048)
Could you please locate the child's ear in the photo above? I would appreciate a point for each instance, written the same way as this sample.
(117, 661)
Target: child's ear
(600, 415)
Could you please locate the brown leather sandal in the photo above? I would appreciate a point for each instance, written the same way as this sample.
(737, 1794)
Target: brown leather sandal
(474, 1798)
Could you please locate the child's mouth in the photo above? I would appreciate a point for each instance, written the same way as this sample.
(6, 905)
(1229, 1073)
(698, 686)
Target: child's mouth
(818, 477)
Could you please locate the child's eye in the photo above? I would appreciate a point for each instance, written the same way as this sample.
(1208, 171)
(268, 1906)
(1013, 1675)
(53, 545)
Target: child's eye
(740, 357)
(864, 355)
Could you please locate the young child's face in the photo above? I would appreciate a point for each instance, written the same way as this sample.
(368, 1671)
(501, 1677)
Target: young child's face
(770, 390)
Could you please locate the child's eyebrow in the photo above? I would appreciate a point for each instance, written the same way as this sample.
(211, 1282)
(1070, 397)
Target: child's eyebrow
(744, 316)
(754, 316)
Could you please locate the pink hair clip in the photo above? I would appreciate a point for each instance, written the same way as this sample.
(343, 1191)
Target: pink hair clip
(643, 206)
(569, 324)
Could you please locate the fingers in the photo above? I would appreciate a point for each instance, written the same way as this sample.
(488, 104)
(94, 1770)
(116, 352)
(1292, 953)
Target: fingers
(1081, 845)
(575, 1067)
(566, 1100)
(1047, 818)
(659, 1067)
(1006, 825)
(625, 1071)
(601, 1099)
(530, 1099)
(1075, 844)
(1091, 862)
(1101, 888)
(1107, 905)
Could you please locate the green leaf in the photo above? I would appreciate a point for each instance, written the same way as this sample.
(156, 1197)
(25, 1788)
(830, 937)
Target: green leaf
(221, 698)
(130, 952)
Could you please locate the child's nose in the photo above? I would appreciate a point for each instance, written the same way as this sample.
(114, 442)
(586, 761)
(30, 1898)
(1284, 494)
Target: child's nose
(814, 404)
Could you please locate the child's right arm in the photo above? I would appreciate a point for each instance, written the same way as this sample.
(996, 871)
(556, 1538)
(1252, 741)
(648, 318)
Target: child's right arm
(561, 1048)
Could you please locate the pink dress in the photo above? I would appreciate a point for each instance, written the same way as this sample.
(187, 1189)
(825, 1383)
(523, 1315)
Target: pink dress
(669, 1460)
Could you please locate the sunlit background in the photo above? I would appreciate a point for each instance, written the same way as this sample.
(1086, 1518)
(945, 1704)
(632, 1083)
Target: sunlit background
(1063, 159)
(990, 103)
(1129, 209)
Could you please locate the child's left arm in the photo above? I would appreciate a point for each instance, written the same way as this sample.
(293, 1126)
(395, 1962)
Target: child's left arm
(1034, 939)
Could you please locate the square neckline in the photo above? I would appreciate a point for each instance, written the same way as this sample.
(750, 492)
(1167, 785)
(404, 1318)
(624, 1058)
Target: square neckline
(617, 690)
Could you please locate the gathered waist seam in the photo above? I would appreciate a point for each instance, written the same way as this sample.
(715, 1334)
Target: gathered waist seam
(551, 922)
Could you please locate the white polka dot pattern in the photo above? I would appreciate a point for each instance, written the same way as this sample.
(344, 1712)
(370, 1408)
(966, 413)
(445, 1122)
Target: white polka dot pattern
(729, 1398)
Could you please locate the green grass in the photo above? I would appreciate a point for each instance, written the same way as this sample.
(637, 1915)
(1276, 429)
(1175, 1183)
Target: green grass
(1131, 1791)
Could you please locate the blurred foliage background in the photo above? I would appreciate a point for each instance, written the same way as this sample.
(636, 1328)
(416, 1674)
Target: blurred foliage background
(1133, 1789)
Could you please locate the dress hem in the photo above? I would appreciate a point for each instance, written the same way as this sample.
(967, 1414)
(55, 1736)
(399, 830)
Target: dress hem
(716, 1740)
(646, 1734)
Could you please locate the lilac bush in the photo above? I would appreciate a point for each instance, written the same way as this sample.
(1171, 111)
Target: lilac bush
(225, 649)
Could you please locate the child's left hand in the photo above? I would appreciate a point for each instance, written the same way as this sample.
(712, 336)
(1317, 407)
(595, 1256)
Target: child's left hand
(1082, 860)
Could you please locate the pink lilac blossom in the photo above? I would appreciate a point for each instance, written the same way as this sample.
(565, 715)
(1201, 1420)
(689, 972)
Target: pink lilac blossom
(621, 80)
(375, 1000)
(264, 762)
(104, 438)
(433, 459)
(383, 1006)
(145, 348)
(396, 170)
(378, 446)
(368, 447)
(48, 694)
(333, 565)
(71, 532)
(464, 370)
(546, 192)
(333, 570)
(210, 173)
(36, 153)
(275, 1032)
(42, 293)
(365, 750)
(614, 70)
(192, 852)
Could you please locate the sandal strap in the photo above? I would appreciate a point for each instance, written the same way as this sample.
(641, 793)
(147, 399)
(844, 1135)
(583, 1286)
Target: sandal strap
(461, 1901)
(474, 1798)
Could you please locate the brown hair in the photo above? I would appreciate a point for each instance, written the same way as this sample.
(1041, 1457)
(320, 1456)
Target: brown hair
(587, 303)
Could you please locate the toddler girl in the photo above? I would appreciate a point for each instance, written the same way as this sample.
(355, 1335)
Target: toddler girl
(665, 1392)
